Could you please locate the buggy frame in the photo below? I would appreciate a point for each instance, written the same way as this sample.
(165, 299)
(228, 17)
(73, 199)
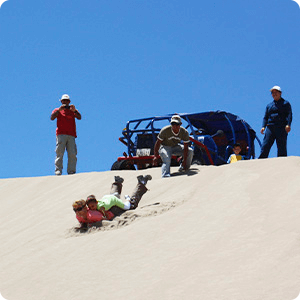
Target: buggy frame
(212, 136)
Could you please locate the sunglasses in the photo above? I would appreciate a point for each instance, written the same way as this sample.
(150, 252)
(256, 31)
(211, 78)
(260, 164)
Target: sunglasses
(79, 208)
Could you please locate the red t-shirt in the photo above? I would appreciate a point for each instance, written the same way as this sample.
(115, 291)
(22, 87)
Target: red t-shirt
(66, 122)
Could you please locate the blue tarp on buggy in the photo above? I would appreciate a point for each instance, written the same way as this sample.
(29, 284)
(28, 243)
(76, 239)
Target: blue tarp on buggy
(224, 130)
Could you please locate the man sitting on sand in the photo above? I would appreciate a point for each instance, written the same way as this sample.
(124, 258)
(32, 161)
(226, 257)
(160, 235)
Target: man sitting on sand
(93, 210)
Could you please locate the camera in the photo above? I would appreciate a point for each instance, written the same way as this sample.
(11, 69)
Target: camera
(67, 106)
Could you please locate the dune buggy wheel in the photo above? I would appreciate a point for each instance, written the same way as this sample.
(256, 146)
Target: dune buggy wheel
(122, 165)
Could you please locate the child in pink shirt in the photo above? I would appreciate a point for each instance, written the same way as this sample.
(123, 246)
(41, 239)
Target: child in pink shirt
(93, 210)
(84, 214)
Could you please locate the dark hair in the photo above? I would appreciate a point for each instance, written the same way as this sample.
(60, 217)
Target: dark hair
(90, 198)
(78, 203)
(237, 145)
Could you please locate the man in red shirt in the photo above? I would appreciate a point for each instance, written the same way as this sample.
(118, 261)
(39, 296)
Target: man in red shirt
(65, 134)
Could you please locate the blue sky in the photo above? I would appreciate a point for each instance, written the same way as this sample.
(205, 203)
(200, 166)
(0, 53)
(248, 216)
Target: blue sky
(125, 59)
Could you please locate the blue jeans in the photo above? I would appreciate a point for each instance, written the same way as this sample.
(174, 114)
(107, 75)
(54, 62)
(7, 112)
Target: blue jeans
(273, 133)
(166, 153)
(65, 142)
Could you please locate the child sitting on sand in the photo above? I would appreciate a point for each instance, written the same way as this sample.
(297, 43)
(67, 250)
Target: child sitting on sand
(236, 154)
(93, 210)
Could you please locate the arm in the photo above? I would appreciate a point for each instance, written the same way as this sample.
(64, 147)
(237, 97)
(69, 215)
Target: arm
(229, 159)
(81, 220)
(55, 114)
(289, 120)
(265, 120)
(156, 154)
(185, 153)
(77, 115)
(76, 112)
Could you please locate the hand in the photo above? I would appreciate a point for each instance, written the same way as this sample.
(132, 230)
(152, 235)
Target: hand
(64, 107)
(287, 128)
(72, 108)
(155, 161)
(262, 131)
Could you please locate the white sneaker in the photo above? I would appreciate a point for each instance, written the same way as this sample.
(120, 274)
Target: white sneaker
(127, 198)
(181, 169)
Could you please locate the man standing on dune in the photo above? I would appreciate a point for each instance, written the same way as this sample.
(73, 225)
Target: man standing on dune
(276, 124)
(65, 134)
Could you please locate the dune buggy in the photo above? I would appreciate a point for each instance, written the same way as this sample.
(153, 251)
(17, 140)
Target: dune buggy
(212, 136)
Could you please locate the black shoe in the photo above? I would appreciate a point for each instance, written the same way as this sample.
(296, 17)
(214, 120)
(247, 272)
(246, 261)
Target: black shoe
(144, 179)
(119, 179)
(147, 177)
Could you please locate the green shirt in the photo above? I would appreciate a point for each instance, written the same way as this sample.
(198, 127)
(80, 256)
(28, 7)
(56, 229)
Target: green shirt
(169, 138)
(108, 201)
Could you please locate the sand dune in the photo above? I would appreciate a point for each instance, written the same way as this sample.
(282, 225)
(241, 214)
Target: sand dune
(228, 232)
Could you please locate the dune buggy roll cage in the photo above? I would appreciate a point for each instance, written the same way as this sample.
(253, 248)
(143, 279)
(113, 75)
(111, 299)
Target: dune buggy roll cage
(212, 135)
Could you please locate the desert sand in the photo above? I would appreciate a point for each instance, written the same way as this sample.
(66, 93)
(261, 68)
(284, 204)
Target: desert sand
(229, 233)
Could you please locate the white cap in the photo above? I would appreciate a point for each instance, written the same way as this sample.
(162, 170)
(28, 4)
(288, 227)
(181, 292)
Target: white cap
(176, 119)
(275, 87)
(65, 97)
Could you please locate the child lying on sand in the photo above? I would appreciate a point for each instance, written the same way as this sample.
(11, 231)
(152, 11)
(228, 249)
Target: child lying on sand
(93, 210)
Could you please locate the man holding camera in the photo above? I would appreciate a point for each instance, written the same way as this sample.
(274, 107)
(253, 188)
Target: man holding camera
(65, 134)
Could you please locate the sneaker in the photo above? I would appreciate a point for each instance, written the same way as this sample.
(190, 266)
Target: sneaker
(144, 179)
(127, 198)
(140, 179)
(148, 177)
(58, 172)
(181, 169)
(119, 179)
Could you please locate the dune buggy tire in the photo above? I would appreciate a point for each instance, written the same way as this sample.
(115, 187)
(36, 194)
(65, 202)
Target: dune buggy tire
(122, 165)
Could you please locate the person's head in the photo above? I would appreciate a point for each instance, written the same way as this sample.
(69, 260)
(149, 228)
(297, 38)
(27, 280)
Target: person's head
(91, 202)
(237, 148)
(65, 99)
(79, 208)
(175, 123)
(276, 92)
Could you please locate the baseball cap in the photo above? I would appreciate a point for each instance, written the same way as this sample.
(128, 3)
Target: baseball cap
(176, 119)
(275, 87)
(65, 97)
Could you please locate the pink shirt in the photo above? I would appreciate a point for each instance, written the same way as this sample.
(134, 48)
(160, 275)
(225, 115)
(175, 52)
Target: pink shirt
(92, 216)
(95, 216)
